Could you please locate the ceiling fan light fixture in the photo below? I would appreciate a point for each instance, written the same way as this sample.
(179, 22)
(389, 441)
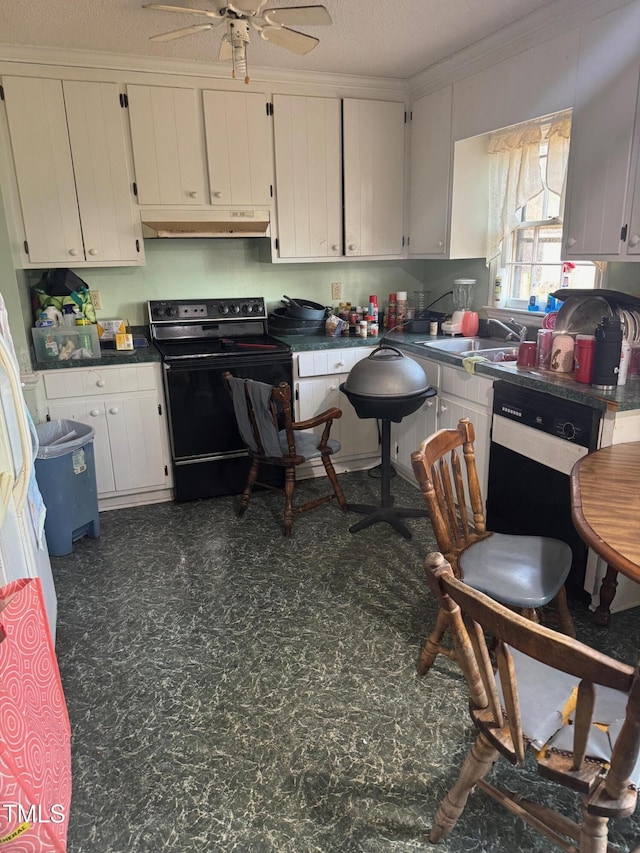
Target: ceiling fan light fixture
(272, 24)
(238, 36)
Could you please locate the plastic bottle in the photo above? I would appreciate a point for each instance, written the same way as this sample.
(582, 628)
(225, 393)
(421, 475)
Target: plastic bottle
(373, 307)
(401, 307)
(625, 354)
(392, 312)
(44, 322)
(497, 290)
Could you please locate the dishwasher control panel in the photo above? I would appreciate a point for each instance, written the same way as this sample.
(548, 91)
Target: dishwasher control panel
(565, 419)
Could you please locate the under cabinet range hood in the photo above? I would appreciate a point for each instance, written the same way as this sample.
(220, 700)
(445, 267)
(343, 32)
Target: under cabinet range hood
(161, 222)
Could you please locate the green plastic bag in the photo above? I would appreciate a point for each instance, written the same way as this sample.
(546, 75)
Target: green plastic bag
(62, 287)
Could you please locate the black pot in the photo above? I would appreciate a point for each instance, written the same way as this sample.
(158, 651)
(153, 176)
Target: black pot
(280, 323)
(304, 309)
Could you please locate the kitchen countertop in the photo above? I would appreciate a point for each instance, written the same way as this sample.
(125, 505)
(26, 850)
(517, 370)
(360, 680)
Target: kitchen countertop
(109, 357)
(626, 398)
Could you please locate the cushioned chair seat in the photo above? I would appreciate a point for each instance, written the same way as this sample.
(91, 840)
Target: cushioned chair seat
(547, 699)
(521, 571)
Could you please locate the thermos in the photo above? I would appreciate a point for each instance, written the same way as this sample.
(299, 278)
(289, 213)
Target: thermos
(606, 357)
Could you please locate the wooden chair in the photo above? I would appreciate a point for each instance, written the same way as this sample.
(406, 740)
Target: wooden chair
(524, 572)
(577, 709)
(260, 409)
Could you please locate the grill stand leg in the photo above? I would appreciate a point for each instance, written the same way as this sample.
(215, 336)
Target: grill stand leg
(386, 511)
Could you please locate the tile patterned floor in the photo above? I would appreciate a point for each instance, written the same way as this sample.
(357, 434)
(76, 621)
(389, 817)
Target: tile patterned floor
(230, 690)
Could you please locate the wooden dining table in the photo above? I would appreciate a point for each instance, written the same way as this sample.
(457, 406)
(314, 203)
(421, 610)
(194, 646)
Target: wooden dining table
(605, 507)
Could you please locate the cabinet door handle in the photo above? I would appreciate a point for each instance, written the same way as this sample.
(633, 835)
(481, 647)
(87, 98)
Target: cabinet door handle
(634, 239)
(429, 404)
(351, 247)
(73, 252)
(571, 242)
(93, 251)
(443, 409)
(332, 387)
(440, 243)
(94, 413)
(193, 194)
(335, 248)
(217, 194)
(114, 410)
(101, 383)
(340, 364)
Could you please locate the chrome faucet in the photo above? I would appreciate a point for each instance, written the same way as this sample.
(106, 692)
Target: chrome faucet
(521, 331)
(518, 333)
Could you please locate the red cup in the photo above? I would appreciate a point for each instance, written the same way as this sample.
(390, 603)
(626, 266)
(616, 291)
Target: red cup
(527, 354)
(469, 325)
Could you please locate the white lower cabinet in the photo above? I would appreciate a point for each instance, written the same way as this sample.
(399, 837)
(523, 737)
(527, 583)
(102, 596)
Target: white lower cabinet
(463, 395)
(318, 376)
(412, 430)
(125, 406)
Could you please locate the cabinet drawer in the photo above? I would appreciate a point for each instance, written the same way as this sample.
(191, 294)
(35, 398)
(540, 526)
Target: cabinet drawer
(328, 362)
(458, 382)
(78, 382)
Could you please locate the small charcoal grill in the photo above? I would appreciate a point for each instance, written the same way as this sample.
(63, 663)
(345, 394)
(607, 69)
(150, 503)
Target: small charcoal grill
(388, 386)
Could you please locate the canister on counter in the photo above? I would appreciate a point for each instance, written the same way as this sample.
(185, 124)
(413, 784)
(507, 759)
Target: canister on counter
(544, 341)
(606, 357)
(585, 348)
(562, 349)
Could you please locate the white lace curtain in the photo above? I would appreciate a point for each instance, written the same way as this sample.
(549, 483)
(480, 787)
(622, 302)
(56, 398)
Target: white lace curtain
(515, 176)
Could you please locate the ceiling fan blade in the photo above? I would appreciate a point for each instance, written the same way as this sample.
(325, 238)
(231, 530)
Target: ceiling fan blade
(291, 39)
(298, 15)
(161, 7)
(185, 31)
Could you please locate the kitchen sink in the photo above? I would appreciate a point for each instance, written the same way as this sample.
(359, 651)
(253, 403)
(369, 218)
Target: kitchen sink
(498, 354)
(466, 346)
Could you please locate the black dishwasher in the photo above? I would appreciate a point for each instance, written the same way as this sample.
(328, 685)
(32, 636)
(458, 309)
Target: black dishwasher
(536, 438)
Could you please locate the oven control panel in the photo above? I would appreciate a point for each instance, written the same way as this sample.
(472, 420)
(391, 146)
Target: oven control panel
(206, 310)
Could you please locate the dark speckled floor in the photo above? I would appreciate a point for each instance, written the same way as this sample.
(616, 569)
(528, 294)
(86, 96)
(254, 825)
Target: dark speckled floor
(230, 690)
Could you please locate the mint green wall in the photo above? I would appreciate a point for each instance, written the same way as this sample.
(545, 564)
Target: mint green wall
(238, 267)
(624, 277)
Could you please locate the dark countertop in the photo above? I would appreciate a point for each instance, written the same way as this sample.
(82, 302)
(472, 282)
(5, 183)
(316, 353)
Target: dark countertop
(626, 398)
(109, 357)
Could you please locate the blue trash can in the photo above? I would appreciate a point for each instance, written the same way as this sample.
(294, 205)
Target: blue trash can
(66, 475)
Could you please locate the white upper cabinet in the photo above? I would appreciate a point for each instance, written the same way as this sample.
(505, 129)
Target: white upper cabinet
(307, 134)
(449, 184)
(430, 173)
(168, 145)
(69, 152)
(602, 136)
(239, 154)
(373, 151)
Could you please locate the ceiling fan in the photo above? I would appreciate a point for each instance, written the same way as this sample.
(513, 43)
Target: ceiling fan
(239, 16)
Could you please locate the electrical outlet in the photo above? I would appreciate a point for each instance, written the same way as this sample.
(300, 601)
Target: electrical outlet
(96, 299)
(336, 290)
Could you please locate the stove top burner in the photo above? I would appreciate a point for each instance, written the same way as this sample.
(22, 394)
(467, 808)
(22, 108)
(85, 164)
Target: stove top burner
(212, 328)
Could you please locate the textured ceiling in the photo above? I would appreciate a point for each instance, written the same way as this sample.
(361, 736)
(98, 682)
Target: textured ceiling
(394, 38)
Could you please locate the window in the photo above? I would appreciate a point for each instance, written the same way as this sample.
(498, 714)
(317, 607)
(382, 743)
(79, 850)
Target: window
(528, 170)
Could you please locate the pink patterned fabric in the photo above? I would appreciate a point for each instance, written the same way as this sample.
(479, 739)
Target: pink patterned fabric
(35, 737)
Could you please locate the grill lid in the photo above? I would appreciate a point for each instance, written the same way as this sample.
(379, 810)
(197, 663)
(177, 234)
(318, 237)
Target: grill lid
(386, 374)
